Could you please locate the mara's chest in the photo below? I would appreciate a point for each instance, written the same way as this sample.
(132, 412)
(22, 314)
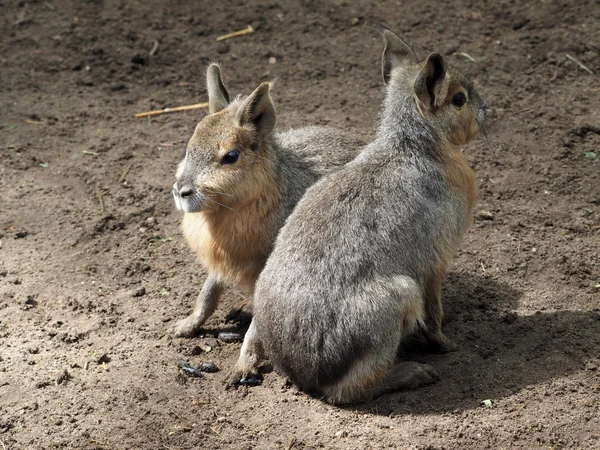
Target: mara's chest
(229, 245)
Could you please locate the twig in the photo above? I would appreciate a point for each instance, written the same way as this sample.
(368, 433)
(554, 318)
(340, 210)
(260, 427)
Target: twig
(154, 48)
(178, 416)
(49, 6)
(87, 152)
(170, 110)
(100, 199)
(291, 444)
(469, 57)
(579, 63)
(125, 172)
(247, 30)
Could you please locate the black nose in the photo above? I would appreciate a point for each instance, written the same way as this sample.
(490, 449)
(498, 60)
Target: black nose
(185, 191)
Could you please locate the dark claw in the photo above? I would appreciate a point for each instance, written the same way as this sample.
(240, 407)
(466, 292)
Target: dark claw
(188, 370)
(252, 380)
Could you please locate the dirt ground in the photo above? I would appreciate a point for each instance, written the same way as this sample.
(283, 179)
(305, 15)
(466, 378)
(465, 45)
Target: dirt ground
(94, 271)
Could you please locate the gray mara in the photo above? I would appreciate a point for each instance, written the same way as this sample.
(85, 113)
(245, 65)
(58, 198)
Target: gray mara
(360, 262)
(239, 181)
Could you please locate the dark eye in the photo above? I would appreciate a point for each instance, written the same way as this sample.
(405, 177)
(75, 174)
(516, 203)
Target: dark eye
(459, 99)
(231, 157)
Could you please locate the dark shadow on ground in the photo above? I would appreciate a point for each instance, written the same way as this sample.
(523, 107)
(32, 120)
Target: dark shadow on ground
(499, 351)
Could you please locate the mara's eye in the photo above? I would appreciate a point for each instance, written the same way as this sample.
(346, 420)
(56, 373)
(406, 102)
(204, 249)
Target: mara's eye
(231, 157)
(459, 99)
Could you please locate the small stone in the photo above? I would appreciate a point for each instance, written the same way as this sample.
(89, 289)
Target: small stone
(151, 222)
(208, 367)
(485, 215)
(63, 377)
(30, 302)
(223, 47)
(139, 292)
(341, 434)
(103, 359)
(451, 49)
(203, 30)
(115, 87)
(139, 60)
(21, 234)
(272, 60)
(143, 229)
(58, 422)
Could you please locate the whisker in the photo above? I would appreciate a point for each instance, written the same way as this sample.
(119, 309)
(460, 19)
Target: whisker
(214, 201)
(217, 192)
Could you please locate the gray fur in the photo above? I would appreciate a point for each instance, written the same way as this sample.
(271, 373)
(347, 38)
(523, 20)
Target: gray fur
(350, 261)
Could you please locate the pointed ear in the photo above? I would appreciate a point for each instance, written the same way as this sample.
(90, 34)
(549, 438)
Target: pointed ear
(258, 110)
(218, 97)
(395, 54)
(431, 85)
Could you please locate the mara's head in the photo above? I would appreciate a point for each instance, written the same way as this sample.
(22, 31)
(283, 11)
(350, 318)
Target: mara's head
(227, 159)
(443, 96)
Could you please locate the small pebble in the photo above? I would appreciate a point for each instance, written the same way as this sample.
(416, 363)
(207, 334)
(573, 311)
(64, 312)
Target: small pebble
(63, 377)
(104, 358)
(208, 367)
(272, 60)
(341, 434)
(139, 292)
(151, 222)
(223, 47)
(485, 215)
(115, 87)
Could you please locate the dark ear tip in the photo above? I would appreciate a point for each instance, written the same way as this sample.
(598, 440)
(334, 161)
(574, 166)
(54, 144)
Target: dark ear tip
(382, 28)
(214, 69)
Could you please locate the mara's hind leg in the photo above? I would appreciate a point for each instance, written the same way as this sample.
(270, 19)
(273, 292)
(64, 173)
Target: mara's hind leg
(364, 383)
(434, 312)
(404, 376)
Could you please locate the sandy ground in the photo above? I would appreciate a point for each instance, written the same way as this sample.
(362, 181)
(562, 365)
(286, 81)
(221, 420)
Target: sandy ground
(89, 291)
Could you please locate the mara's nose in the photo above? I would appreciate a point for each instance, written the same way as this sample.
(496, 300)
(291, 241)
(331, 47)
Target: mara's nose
(185, 191)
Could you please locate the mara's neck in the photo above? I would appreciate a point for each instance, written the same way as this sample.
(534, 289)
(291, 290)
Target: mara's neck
(403, 128)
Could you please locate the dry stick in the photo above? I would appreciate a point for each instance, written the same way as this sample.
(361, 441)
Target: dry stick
(291, 444)
(99, 194)
(469, 57)
(236, 33)
(154, 48)
(125, 172)
(579, 63)
(170, 110)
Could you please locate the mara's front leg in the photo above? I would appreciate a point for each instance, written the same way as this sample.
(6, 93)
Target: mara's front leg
(245, 371)
(206, 303)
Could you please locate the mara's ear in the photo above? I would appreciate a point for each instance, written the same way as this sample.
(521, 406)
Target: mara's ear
(431, 85)
(218, 97)
(258, 111)
(396, 53)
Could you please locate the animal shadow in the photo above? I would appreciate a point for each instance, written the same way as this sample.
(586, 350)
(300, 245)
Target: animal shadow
(499, 352)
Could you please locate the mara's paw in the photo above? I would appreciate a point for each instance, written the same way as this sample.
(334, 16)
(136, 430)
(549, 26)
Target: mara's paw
(240, 313)
(246, 376)
(187, 328)
(441, 344)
